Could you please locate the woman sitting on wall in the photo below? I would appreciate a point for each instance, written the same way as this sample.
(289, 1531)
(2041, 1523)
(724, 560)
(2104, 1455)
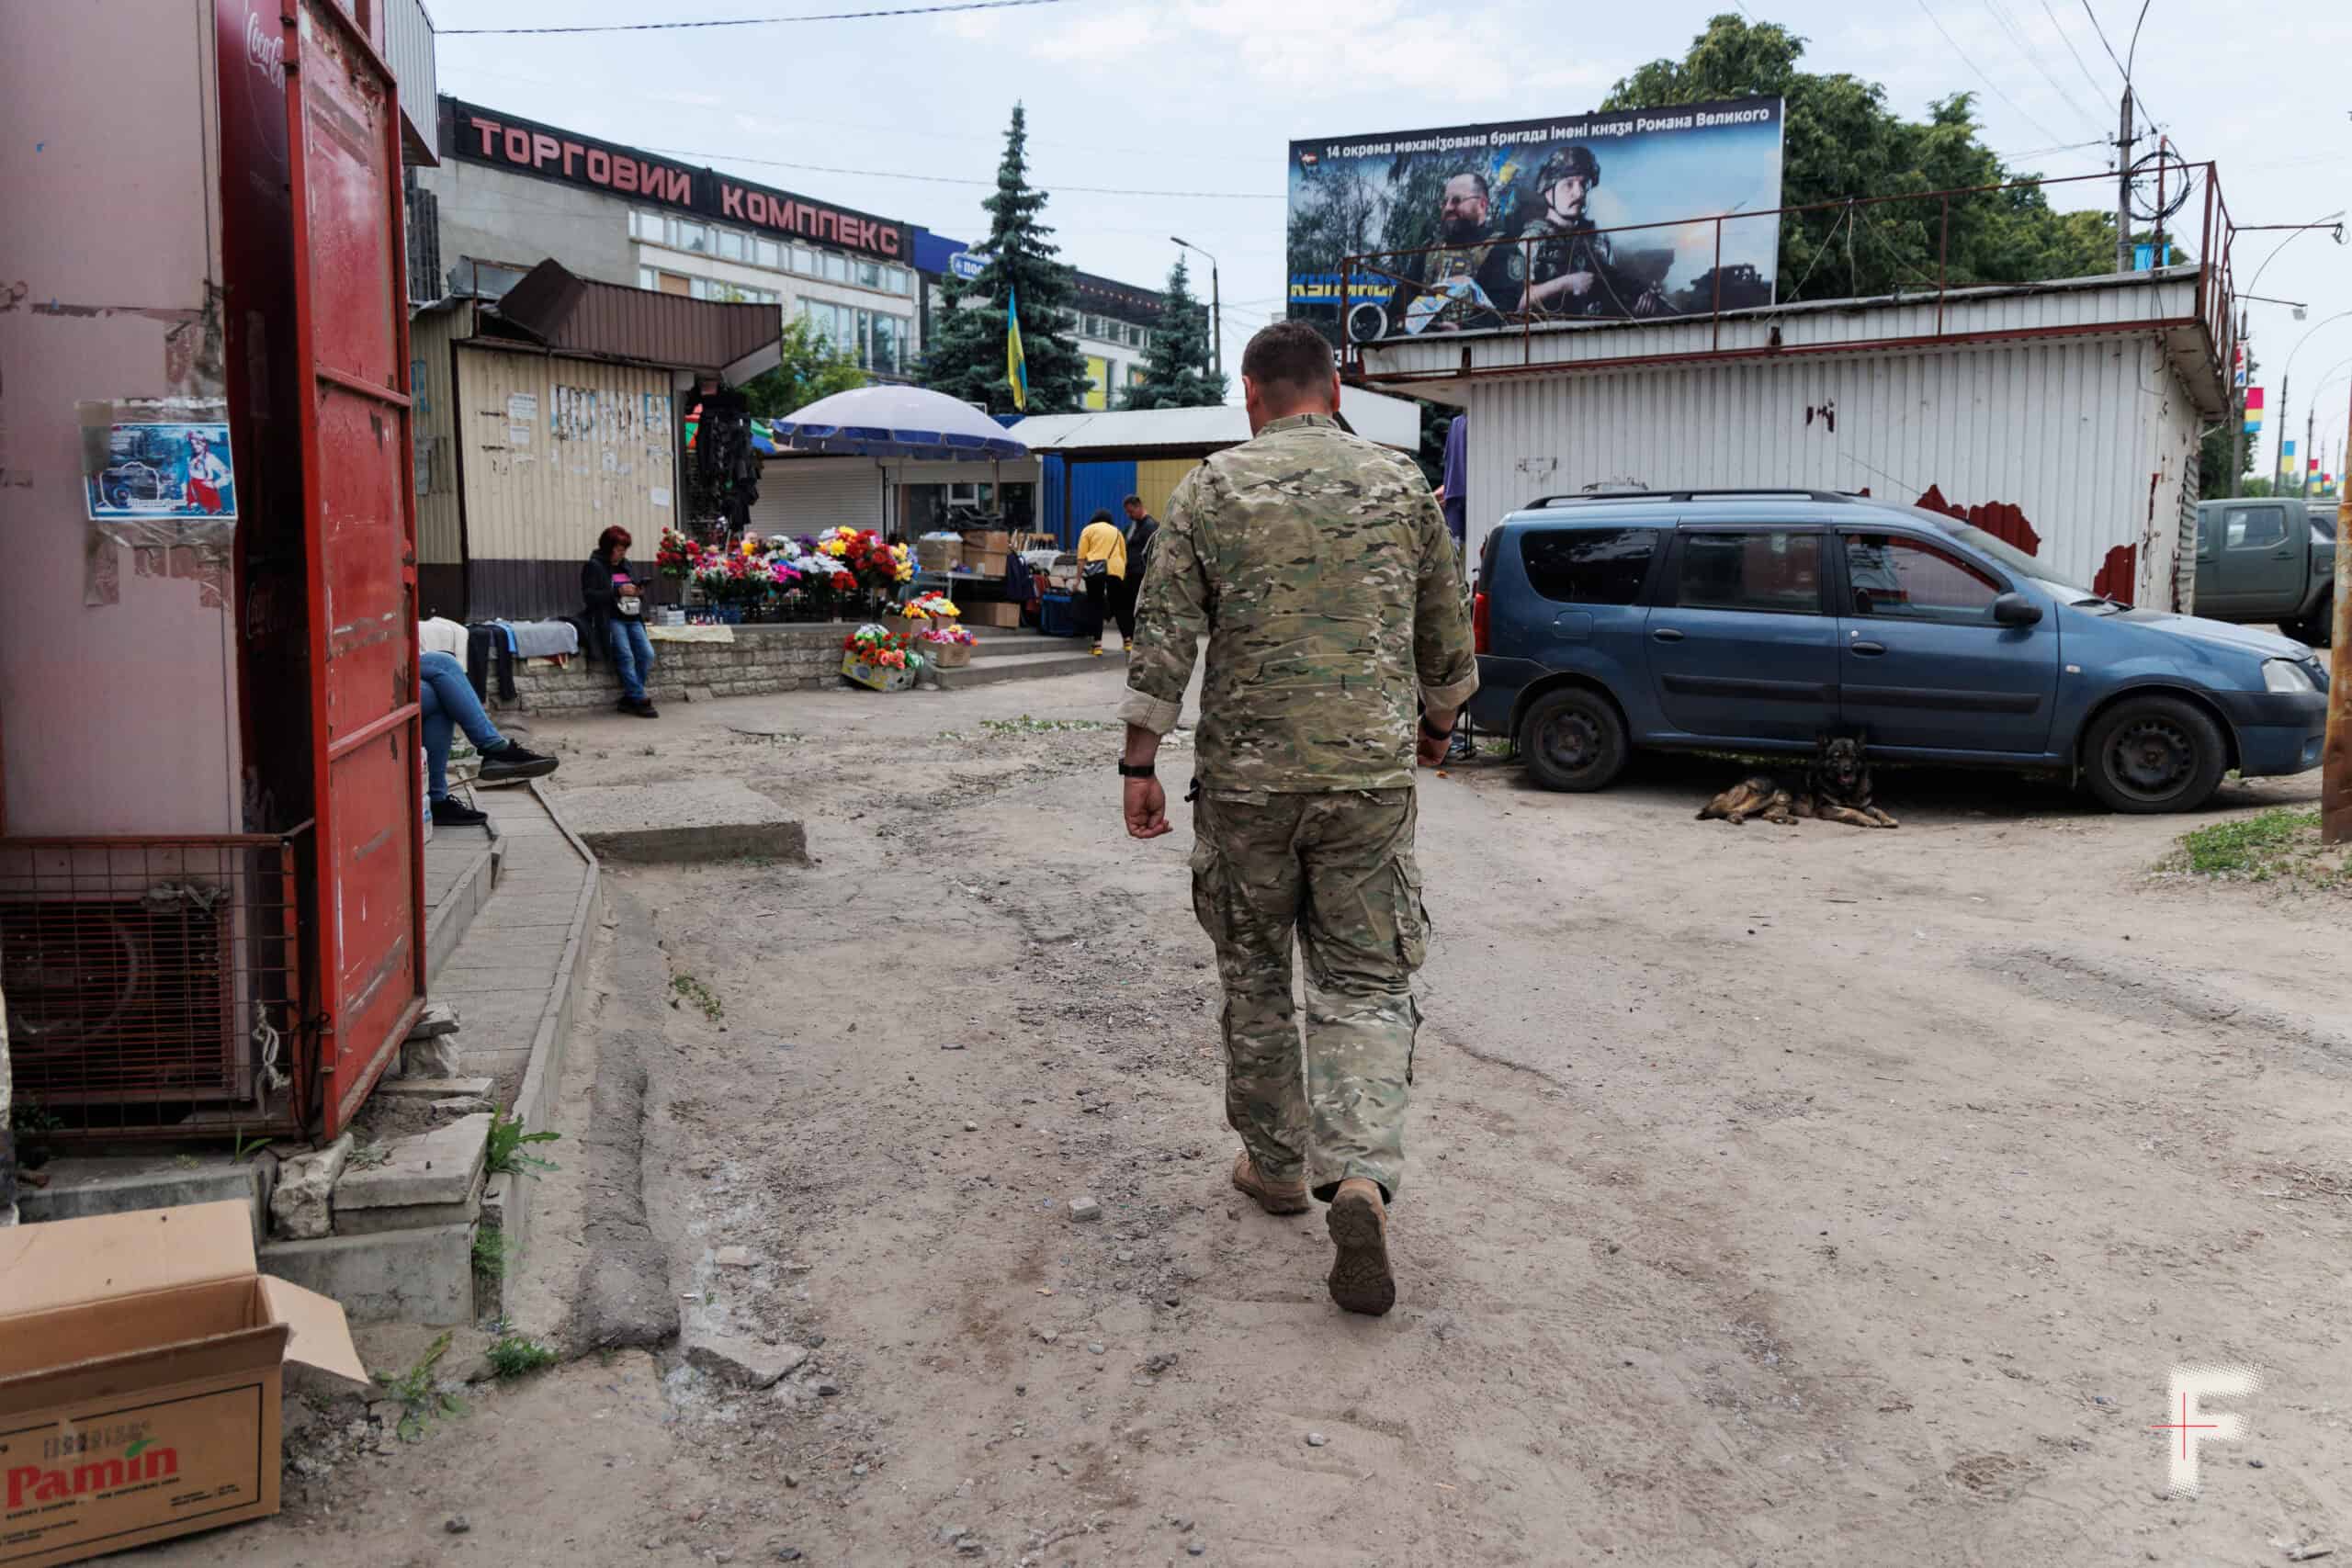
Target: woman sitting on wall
(616, 618)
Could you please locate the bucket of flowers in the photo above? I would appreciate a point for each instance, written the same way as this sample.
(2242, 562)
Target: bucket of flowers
(877, 659)
(928, 609)
(946, 645)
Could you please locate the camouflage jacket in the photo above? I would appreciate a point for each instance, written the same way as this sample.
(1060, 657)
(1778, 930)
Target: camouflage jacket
(1319, 568)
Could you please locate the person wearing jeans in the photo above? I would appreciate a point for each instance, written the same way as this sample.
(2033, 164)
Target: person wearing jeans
(616, 618)
(632, 653)
(449, 702)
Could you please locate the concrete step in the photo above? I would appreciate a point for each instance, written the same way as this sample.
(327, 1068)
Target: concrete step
(1003, 641)
(987, 670)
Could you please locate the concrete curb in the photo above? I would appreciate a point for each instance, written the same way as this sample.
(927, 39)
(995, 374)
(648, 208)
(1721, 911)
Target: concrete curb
(446, 926)
(543, 1073)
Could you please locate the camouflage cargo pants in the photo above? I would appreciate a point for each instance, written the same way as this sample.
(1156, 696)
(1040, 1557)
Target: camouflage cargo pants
(1337, 872)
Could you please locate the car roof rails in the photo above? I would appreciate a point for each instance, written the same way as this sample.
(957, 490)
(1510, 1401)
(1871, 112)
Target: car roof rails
(1542, 503)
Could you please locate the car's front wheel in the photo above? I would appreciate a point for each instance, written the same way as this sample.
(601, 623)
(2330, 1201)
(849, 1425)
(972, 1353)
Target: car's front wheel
(1573, 739)
(2151, 754)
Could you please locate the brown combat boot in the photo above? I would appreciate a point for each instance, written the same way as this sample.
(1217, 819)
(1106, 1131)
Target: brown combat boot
(1361, 1280)
(1275, 1197)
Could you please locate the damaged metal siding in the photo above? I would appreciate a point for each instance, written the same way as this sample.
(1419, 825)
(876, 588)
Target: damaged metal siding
(2091, 439)
(553, 452)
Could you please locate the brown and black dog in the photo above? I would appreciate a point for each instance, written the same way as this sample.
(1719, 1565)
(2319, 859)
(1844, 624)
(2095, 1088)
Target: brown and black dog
(1836, 789)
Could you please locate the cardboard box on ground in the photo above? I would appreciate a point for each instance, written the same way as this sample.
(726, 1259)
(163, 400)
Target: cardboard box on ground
(141, 1366)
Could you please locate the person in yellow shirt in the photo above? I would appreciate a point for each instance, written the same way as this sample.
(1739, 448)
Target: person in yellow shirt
(1102, 563)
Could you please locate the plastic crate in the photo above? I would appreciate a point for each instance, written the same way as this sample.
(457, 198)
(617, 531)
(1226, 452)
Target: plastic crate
(1057, 614)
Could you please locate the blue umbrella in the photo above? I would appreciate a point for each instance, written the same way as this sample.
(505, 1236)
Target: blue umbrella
(895, 422)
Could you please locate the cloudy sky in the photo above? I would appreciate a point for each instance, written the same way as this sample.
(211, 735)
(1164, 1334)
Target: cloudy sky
(905, 116)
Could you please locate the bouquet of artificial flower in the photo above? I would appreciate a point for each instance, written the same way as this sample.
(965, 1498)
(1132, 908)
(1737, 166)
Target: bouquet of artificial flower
(933, 606)
(678, 556)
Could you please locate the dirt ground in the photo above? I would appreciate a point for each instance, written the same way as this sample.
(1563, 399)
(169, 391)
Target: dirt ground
(1778, 1195)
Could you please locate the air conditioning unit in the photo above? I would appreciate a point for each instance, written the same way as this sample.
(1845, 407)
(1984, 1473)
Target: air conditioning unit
(133, 998)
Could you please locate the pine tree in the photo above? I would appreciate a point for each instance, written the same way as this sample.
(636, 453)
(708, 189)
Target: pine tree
(1176, 373)
(964, 357)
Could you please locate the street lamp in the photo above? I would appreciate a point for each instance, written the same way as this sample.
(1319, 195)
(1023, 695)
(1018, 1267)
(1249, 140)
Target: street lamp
(2301, 488)
(1217, 302)
(2333, 222)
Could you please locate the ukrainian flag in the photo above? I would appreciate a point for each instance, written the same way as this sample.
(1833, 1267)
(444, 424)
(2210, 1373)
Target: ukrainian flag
(1016, 363)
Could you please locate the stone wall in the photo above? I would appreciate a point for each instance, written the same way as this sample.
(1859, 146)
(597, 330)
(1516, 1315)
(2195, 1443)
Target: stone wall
(762, 659)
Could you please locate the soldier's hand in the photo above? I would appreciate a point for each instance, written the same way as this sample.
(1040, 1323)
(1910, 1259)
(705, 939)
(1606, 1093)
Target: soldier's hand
(1146, 808)
(1579, 283)
(1431, 753)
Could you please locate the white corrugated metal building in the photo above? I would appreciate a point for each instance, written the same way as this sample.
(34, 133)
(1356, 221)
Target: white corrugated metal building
(2063, 417)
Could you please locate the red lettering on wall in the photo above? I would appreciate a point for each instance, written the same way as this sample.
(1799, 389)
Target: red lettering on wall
(600, 166)
(570, 150)
(731, 201)
(545, 148)
(517, 146)
(624, 173)
(681, 188)
(489, 129)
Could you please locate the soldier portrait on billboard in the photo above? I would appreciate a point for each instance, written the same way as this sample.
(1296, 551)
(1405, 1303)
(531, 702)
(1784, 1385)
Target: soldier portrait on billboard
(1574, 270)
(1473, 279)
(1469, 228)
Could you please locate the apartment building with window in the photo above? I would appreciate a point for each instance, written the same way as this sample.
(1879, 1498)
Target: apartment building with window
(511, 192)
(1112, 323)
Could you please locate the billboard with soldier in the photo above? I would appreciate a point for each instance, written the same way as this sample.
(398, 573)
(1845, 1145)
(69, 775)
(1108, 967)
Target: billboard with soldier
(1605, 216)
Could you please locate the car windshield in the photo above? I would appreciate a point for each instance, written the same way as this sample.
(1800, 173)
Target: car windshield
(2016, 560)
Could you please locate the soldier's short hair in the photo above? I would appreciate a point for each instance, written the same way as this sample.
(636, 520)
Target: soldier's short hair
(1132, 500)
(1288, 355)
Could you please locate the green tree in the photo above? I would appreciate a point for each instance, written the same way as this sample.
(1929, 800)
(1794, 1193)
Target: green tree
(1176, 370)
(811, 368)
(1842, 143)
(964, 357)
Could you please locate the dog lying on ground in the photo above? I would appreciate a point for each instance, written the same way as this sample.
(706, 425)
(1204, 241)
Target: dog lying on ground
(1836, 789)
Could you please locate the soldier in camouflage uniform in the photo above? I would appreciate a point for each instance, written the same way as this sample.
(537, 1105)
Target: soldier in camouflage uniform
(1319, 568)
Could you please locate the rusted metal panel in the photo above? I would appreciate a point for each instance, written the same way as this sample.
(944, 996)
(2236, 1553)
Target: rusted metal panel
(555, 450)
(580, 315)
(2080, 445)
(351, 329)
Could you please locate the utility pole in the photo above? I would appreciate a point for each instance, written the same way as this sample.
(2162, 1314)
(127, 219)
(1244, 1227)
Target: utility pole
(2124, 186)
(1216, 305)
(2335, 786)
(2303, 463)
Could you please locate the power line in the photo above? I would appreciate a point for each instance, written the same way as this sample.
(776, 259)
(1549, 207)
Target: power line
(2122, 71)
(2017, 37)
(1980, 72)
(750, 21)
(957, 180)
(2069, 42)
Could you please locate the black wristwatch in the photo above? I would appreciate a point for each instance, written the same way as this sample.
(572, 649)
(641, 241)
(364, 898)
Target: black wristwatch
(1143, 771)
(1435, 734)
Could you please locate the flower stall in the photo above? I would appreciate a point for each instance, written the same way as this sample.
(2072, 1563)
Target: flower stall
(842, 573)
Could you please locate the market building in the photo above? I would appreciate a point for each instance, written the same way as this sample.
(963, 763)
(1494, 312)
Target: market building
(511, 193)
(2063, 417)
(547, 415)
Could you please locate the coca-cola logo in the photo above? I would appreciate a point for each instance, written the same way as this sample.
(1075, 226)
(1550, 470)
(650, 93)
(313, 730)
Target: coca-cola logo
(265, 49)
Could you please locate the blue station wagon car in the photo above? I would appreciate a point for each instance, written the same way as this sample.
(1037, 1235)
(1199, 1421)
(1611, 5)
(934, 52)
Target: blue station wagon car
(1759, 621)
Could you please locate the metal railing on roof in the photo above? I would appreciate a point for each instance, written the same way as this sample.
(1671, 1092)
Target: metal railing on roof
(1389, 281)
